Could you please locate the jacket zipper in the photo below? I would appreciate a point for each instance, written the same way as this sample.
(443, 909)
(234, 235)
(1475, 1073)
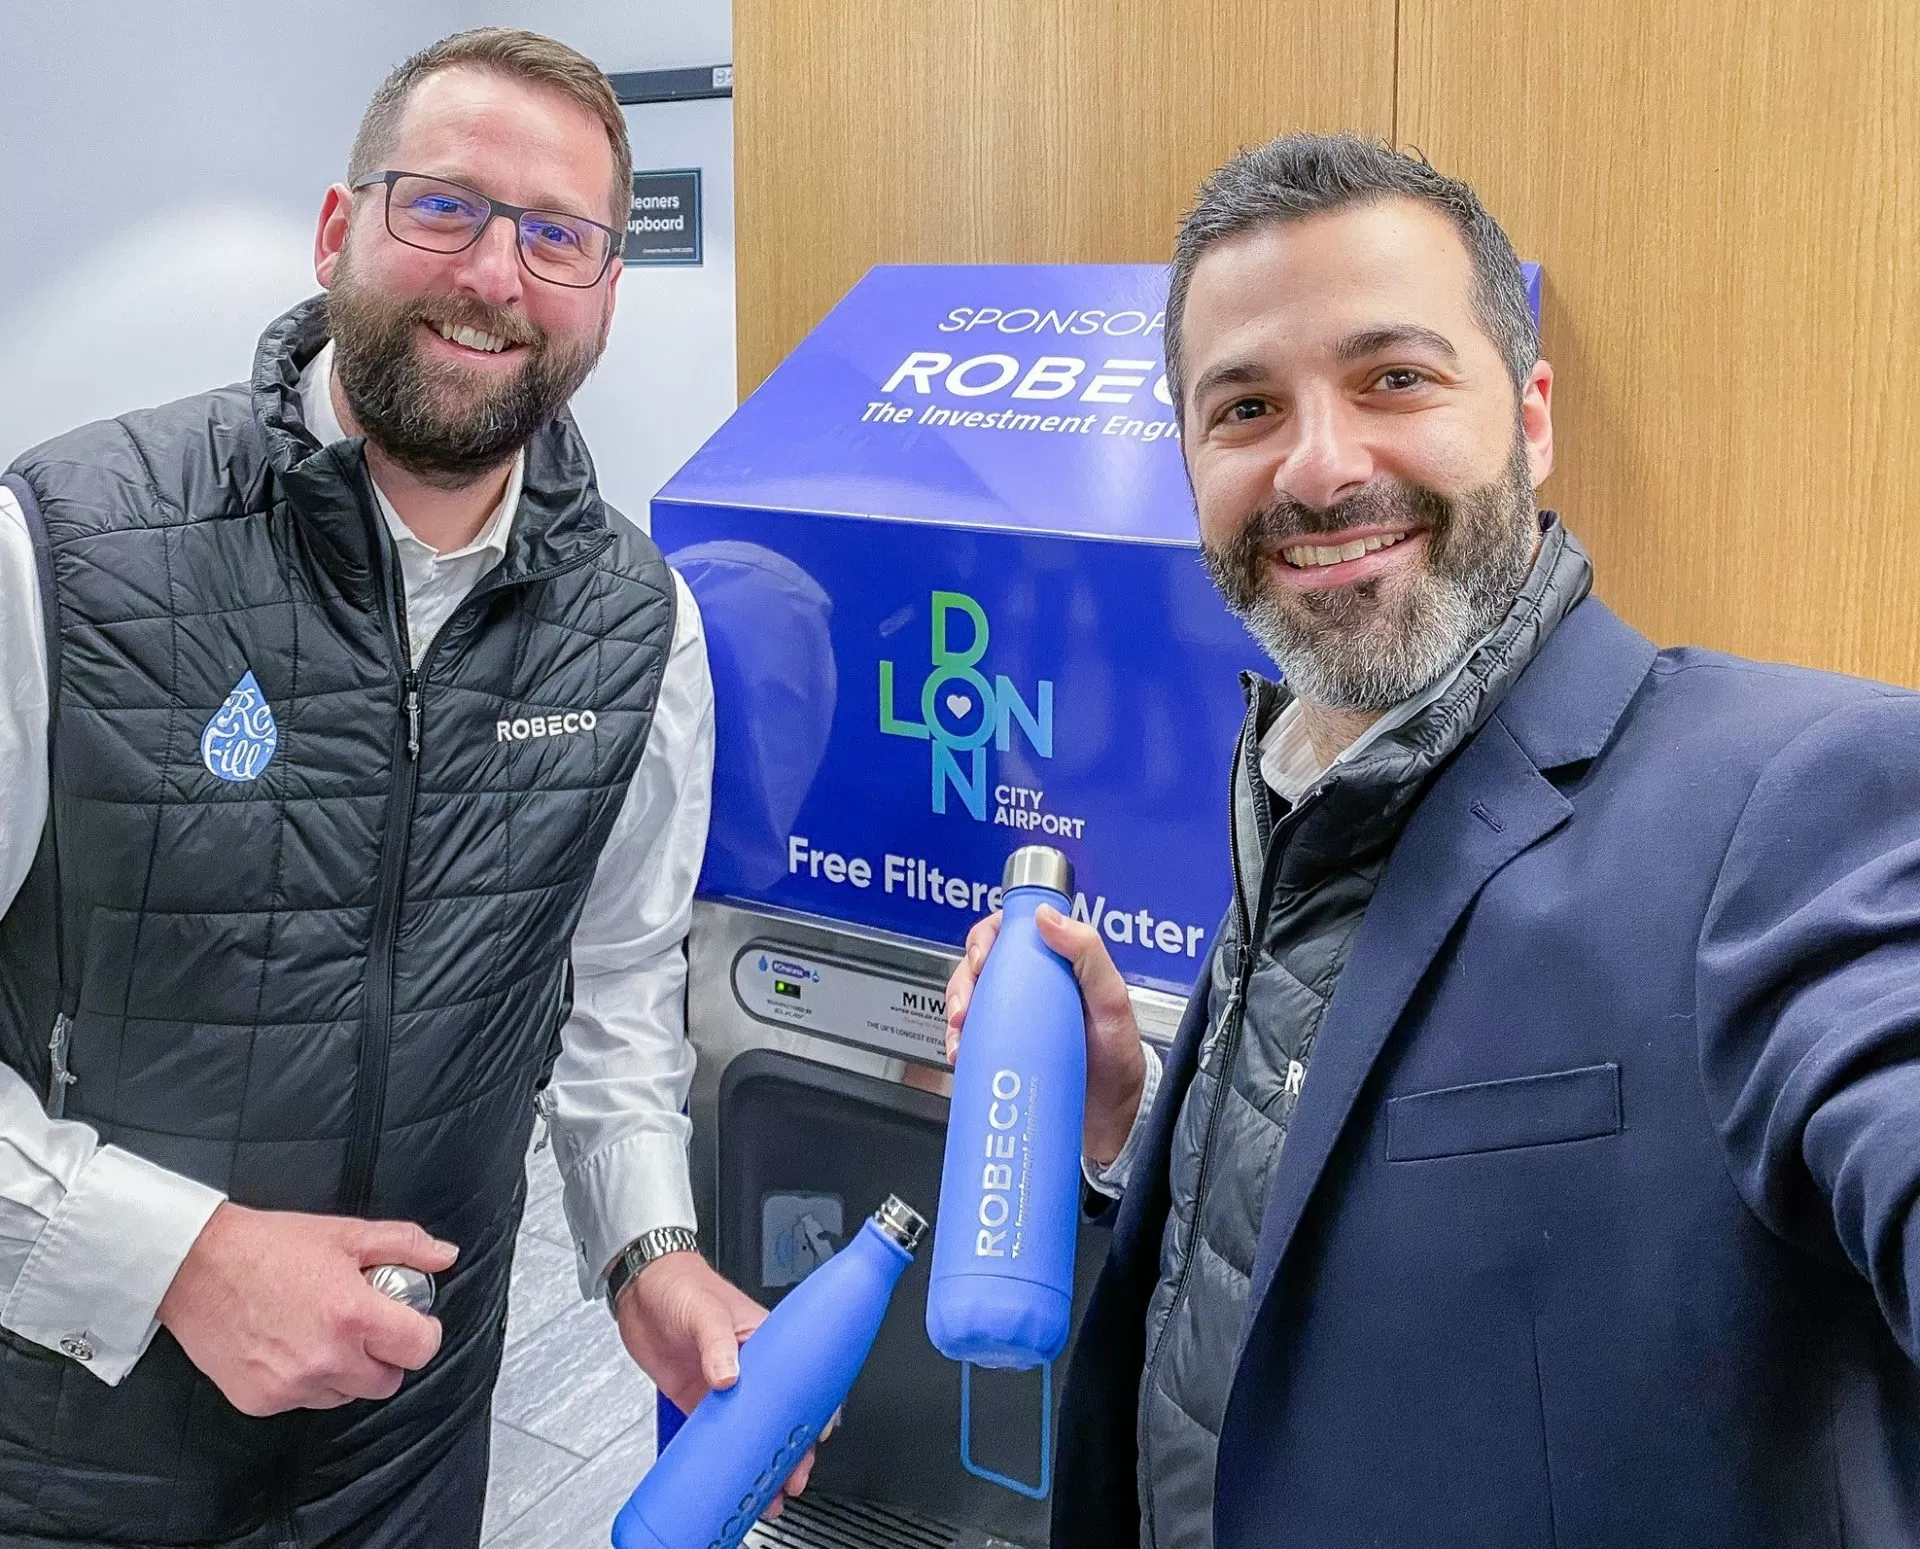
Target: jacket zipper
(413, 717)
(60, 1038)
(376, 1018)
(376, 1022)
(1226, 1049)
(59, 1077)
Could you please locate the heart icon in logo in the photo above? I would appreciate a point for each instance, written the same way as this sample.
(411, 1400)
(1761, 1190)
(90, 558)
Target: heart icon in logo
(959, 704)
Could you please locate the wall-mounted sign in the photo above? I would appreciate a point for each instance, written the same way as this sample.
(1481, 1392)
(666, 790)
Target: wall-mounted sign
(634, 87)
(663, 226)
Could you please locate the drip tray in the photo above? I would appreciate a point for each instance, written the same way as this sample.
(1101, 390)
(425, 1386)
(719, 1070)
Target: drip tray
(817, 1521)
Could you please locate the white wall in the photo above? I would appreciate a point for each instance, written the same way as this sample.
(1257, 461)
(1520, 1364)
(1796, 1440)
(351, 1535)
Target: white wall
(667, 379)
(162, 167)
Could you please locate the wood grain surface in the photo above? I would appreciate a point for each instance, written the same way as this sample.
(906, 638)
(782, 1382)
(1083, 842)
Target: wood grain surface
(1726, 202)
(1725, 196)
(1009, 131)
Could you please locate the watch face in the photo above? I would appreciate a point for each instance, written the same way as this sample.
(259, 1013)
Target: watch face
(624, 1269)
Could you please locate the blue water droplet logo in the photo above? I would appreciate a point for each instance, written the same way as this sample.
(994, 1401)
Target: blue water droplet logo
(763, 963)
(240, 739)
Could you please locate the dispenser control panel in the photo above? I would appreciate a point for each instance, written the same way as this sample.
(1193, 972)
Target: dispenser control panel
(852, 1003)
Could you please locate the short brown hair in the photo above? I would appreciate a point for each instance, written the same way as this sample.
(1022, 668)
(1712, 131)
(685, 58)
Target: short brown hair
(519, 55)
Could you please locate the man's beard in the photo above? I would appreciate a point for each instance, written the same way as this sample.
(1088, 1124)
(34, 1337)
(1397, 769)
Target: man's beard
(1373, 644)
(442, 422)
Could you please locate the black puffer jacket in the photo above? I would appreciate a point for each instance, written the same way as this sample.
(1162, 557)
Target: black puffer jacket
(334, 986)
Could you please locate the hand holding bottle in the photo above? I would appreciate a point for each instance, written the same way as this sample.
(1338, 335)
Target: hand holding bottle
(1116, 1065)
(683, 1323)
(274, 1308)
(727, 1464)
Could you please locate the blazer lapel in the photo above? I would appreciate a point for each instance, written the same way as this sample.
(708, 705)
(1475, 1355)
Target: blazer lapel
(1490, 805)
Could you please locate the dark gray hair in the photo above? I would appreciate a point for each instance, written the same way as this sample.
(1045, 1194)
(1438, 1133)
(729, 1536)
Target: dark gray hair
(1299, 175)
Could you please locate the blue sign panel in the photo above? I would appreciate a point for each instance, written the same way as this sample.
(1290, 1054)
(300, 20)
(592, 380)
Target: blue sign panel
(951, 584)
(901, 706)
(1026, 397)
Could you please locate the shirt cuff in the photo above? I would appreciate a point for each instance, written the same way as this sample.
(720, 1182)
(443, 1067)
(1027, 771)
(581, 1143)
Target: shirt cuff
(1111, 1180)
(102, 1263)
(621, 1192)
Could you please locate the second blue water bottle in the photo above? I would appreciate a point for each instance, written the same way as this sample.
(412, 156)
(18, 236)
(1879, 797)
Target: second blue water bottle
(1001, 1293)
(718, 1474)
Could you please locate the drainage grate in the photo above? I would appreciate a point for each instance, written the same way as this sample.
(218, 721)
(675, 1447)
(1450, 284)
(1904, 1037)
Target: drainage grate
(816, 1521)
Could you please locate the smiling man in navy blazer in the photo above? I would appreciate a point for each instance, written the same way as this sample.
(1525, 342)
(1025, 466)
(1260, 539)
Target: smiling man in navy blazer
(1537, 1164)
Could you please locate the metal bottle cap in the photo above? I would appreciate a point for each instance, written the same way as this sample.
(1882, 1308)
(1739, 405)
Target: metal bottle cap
(411, 1287)
(1038, 865)
(901, 1223)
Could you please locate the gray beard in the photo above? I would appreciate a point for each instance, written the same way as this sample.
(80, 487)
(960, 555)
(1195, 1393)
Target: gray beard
(1365, 648)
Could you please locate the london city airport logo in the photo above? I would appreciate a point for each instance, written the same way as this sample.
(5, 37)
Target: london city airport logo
(961, 712)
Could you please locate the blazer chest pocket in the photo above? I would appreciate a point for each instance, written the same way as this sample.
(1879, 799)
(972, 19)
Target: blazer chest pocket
(1540, 1110)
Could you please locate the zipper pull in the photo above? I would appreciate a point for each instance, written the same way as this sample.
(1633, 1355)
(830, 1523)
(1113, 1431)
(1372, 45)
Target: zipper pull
(413, 716)
(62, 1078)
(1216, 1033)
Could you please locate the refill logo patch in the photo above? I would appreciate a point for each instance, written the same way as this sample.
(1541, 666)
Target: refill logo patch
(239, 741)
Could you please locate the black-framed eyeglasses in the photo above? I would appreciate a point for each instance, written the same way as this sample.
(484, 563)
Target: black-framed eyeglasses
(439, 216)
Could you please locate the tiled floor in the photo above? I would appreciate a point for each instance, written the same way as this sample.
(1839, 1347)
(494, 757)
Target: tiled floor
(572, 1416)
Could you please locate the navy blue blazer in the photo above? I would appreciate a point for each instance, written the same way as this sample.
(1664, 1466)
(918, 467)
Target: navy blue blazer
(1597, 1225)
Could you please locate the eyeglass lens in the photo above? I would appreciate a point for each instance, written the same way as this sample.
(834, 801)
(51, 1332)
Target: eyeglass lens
(444, 218)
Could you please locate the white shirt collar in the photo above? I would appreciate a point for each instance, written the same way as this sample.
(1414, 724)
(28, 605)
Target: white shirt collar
(316, 407)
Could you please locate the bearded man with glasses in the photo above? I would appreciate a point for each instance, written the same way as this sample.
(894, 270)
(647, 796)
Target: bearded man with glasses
(358, 758)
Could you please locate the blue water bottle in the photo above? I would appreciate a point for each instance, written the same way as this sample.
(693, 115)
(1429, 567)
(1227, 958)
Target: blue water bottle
(712, 1481)
(1002, 1288)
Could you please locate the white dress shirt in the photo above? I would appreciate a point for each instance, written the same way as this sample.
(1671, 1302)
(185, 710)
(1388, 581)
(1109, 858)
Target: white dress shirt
(435, 583)
(91, 1235)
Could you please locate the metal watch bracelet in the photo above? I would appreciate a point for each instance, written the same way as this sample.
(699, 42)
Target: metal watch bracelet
(642, 1251)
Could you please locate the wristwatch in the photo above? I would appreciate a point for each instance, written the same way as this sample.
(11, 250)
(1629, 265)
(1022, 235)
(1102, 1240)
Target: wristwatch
(642, 1251)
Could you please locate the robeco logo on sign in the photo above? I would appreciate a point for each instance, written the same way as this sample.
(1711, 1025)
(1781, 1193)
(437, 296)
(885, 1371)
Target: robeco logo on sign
(960, 711)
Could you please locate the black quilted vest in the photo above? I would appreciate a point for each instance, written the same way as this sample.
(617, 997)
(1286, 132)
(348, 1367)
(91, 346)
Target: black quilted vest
(334, 986)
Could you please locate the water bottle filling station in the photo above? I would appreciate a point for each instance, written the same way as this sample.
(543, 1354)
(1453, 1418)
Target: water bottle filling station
(925, 634)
